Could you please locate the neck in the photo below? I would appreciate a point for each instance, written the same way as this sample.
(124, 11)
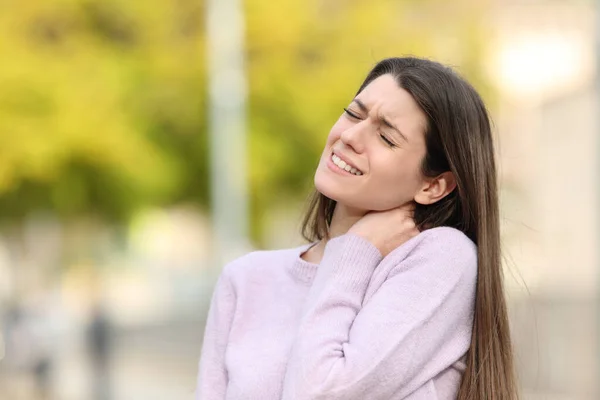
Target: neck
(343, 219)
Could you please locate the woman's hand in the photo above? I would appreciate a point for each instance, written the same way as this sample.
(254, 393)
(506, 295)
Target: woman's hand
(387, 230)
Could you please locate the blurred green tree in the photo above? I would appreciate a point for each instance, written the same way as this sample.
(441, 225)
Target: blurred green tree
(101, 107)
(103, 102)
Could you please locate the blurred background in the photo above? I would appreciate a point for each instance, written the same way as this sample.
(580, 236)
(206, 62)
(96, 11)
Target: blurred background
(143, 144)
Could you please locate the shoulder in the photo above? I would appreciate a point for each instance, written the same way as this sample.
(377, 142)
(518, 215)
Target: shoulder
(256, 262)
(438, 249)
(447, 241)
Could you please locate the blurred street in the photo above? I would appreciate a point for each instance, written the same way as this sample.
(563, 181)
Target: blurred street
(152, 363)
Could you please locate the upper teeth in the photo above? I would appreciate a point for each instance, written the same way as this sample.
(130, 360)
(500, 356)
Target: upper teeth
(342, 164)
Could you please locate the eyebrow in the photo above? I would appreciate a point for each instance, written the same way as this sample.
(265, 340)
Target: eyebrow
(384, 121)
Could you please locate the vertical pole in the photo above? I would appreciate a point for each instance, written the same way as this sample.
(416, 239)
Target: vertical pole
(597, 148)
(227, 121)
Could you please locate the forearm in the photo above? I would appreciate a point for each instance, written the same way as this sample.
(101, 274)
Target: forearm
(321, 358)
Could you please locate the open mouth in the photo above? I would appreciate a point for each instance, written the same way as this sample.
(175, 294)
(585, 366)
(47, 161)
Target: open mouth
(343, 165)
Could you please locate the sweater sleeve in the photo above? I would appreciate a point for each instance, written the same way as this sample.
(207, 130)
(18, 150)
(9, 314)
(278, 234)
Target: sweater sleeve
(212, 375)
(347, 350)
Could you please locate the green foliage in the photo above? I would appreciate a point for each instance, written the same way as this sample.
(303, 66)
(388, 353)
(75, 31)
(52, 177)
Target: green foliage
(101, 106)
(103, 102)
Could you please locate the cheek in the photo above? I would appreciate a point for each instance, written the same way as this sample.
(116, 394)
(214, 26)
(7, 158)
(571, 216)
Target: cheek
(395, 181)
(335, 132)
(389, 175)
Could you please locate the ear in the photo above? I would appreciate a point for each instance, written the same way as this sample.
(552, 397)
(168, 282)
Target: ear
(435, 189)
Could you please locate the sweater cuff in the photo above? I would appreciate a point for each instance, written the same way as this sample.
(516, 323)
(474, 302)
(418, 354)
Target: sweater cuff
(352, 260)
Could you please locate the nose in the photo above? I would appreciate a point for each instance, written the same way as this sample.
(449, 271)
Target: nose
(354, 136)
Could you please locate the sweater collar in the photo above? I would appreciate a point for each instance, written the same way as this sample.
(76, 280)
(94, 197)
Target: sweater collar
(302, 269)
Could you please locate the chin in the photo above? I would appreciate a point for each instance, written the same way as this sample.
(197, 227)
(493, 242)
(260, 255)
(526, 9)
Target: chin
(326, 187)
(338, 195)
(333, 188)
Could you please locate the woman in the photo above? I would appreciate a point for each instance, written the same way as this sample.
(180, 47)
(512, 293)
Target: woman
(399, 295)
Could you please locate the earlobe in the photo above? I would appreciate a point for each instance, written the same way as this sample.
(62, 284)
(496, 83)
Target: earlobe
(436, 188)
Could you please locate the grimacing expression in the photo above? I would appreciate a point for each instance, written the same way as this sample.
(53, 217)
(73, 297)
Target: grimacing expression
(373, 154)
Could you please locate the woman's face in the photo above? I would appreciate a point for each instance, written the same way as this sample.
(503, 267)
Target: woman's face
(381, 140)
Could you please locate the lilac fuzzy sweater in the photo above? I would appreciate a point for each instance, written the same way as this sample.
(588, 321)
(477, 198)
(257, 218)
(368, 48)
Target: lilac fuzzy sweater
(355, 327)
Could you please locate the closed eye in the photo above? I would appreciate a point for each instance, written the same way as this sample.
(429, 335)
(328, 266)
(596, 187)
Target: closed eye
(387, 141)
(351, 114)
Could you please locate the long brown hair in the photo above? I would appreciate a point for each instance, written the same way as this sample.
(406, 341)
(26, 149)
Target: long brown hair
(458, 138)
